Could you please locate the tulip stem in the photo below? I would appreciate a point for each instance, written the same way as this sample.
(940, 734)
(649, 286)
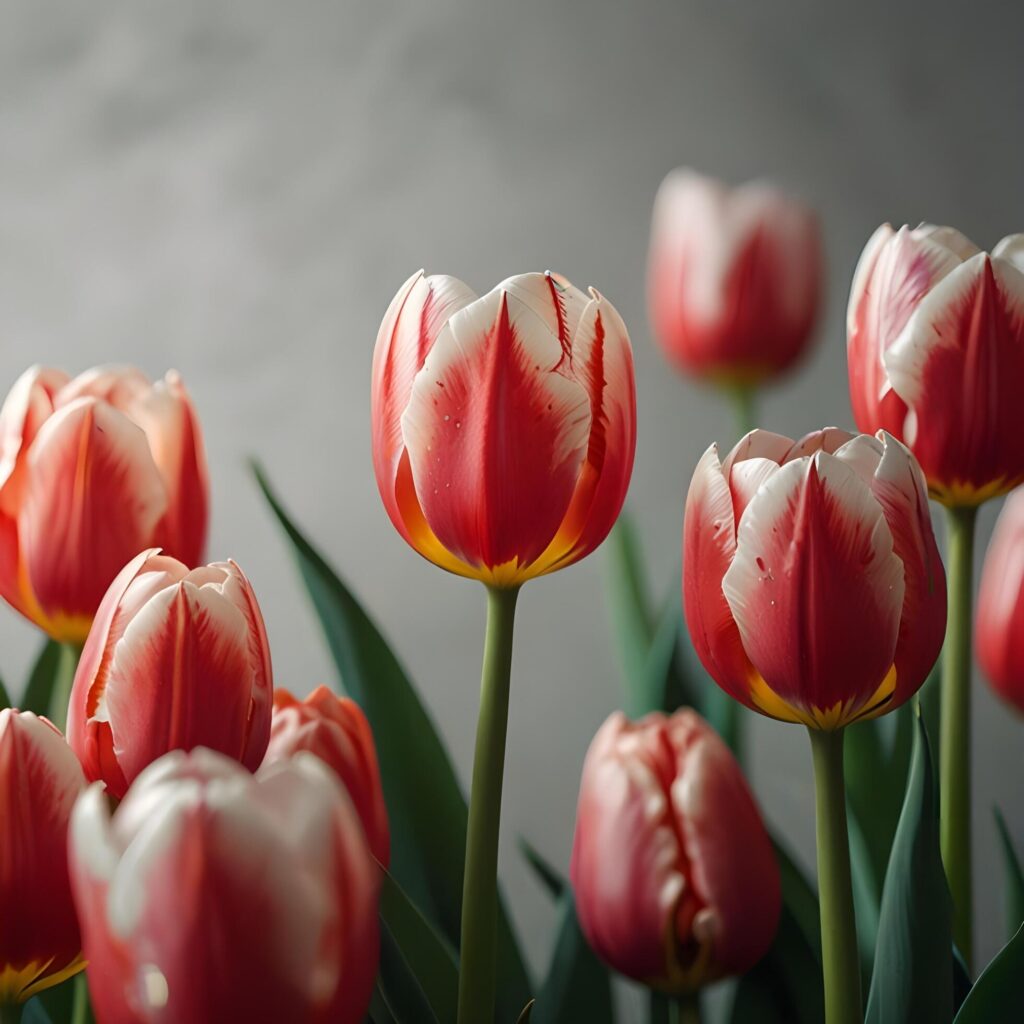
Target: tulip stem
(685, 1009)
(477, 971)
(840, 959)
(744, 400)
(955, 727)
(63, 678)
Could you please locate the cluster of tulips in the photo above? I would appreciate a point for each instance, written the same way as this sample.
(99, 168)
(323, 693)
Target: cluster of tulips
(207, 848)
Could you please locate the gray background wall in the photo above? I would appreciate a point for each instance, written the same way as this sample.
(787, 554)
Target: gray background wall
(238, 190)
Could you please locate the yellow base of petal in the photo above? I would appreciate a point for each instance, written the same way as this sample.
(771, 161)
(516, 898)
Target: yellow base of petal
(18, 984)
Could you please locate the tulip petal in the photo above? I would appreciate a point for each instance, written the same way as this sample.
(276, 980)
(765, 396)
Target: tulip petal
(758, 444)
(959, 364)
(813, 576)
(88, 464)
(555, 300)
(411, 324)
(495, 436)
(709, 544)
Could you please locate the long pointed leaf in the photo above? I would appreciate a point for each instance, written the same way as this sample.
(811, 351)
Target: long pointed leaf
(550, 878)
(913, 975)
(998, 995)
(425, 803)
(39, 689)
(1014, 898)
(5, 697)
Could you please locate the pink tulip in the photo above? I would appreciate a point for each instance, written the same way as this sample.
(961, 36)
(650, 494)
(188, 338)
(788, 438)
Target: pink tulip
(999, 627)
(336, 731)
(675, 878)
(93, 470)
(176, 659)
(935, 352)
(211, 896)
(734, 278)
(503, 427)
(813, 586)
(40, 779)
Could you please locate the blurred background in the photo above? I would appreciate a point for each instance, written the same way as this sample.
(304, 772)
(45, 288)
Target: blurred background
(237, 191)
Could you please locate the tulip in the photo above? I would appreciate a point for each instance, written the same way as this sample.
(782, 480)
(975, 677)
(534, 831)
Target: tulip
(999, 626)
(40, 779)
(211, 895)
(336, 731)
(675, 878)
(176, 659)
(504, 429)
(814, 593)
(936, 357)
(734, 278)
(93, 470)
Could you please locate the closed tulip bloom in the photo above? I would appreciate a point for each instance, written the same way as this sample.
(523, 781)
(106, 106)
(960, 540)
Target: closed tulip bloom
(999, 627)
(813, 587)
(92, 470)
(40, 779)
(734, 278)
(935, 332)
(211, 895)
(336, 731)
(504, 427)
(176, 659)
(675, 878)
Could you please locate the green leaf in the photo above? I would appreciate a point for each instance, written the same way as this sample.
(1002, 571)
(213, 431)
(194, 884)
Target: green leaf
(429, 958)
(913, 976)
(39, 690)
(524, 1017)
(5, 697)
(400, 988)
(1014, 899)
(632, 626)
(426, 807)
(578, 986)
(380, 1012)
(998, 995)
(36, 1013)
(549, 877)
(800, 899)
(786, 986)
(961, 980)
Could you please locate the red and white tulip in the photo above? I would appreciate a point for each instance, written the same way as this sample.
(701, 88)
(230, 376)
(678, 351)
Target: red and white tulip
(999, 624)
(211, 895)
(504, 427)
(92, 470)
(335, 730)
(812, 583)
(40, 779)
(176, 659)
(734, 278)
(675, 878)
(935, 331)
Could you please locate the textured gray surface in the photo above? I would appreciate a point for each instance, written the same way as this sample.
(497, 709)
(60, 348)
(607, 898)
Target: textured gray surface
(238, 190)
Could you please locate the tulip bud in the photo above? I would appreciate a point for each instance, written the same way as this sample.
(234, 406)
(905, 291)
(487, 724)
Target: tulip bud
(176, 659)
(503, 427)
(675, 878)
(999, 628)
(93, 470)
(40, 778)
(211, 895)
(335, 730)
(935, 349)
(813, 587)
(734, 278)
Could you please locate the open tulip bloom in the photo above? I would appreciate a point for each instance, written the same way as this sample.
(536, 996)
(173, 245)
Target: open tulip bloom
(504, 429)
(935, 331)
(814, 594)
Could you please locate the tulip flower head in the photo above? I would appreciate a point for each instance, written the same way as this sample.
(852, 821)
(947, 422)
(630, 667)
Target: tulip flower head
(675, 878)
(335, 730)
(93, 470)
(935, 349)
(504, 427)
(999, 625)
(734, 278)
(211, 895)
(176, 659)
(40, 779)
(812, 583)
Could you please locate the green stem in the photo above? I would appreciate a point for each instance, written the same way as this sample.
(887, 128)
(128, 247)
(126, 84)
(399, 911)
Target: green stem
(744, 400)
(955, 727)
(685, 1009)
(81, 1008)
(63, 679)
(10, 1013)
(480, 884)
(840, 959)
